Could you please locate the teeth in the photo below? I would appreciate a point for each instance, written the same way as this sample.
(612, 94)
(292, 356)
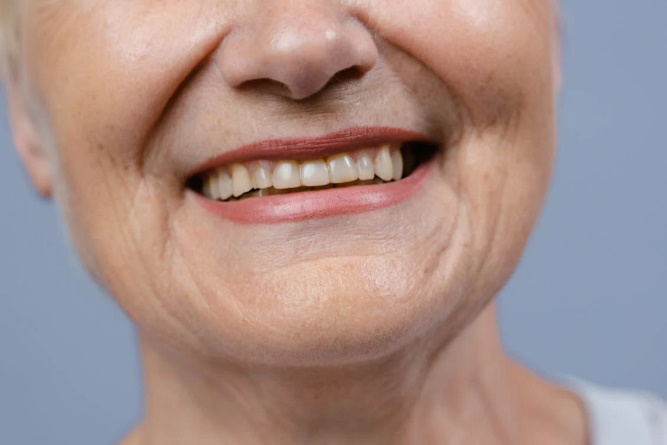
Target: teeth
(314, 173)
(261, 179)
(225, 190)
(286, 175)
(241, 182)
(265, 178)
(383, 164)
(210, 188)
(342, 168)
(365, 167)
(397, 164)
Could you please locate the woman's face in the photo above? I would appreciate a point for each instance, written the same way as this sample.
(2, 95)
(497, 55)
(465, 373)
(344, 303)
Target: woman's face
(129, 99)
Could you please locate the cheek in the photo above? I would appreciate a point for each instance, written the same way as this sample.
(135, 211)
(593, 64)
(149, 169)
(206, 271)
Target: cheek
(494, 55)
(496, 58)
(102, 72)
(108, 69)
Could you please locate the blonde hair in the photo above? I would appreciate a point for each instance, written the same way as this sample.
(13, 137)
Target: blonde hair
(8, 36)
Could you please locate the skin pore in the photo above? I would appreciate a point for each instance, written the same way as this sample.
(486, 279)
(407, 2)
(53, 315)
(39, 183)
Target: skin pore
(370, 328)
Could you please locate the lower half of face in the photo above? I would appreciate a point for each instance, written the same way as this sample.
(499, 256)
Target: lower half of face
(392, 161)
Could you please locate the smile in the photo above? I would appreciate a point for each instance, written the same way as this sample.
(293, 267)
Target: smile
(289, 180)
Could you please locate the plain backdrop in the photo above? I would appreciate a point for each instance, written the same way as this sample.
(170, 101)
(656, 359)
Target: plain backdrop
(589, 298)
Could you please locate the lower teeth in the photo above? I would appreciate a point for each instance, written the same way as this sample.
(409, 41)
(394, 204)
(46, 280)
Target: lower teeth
(272, 191)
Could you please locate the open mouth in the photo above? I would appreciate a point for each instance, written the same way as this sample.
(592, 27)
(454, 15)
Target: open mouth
(376, 165)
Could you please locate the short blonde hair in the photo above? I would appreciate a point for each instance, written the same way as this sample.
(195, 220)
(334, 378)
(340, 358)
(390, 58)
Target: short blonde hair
(8, 36)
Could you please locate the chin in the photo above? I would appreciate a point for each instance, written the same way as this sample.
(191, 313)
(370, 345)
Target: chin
(315, 317)
(332, 311)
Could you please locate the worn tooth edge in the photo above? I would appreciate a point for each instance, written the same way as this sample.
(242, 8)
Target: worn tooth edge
(211, 182)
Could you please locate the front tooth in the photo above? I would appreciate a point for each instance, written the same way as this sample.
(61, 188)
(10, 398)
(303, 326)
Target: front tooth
(241, 182)
(286, 175)
(397, 164)
(225, 189)
(383, 164)
(342, 168)
(365, 167)
(314, 173)
(261, 179)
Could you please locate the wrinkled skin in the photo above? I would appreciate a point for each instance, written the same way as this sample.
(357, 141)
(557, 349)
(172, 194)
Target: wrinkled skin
(117, 101)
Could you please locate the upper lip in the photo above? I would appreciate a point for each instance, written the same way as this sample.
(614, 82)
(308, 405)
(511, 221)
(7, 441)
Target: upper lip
(313, 148)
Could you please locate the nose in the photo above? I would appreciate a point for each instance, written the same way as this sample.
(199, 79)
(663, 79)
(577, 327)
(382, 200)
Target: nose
(299, 45)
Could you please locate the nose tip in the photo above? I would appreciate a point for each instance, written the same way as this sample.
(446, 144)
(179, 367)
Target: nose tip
(302, 51)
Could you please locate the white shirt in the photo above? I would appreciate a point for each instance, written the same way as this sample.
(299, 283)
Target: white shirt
(619, 417)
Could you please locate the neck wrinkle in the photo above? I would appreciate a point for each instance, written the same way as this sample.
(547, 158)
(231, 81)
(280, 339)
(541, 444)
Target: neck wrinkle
(449, 393)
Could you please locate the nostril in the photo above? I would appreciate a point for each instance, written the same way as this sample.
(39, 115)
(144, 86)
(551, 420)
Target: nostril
(278, 88)
(266, 85)
(346, 75)
(351, 73)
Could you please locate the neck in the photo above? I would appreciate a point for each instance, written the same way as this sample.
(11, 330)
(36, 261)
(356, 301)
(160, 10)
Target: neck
(451, 392)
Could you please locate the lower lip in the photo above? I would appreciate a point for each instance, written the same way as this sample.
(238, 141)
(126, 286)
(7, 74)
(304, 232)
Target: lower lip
(301, 206)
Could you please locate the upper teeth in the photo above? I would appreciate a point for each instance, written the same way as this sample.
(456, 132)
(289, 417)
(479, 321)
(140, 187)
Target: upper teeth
(385, 162)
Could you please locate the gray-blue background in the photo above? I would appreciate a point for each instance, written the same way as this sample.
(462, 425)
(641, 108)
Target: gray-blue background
(589, 299)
